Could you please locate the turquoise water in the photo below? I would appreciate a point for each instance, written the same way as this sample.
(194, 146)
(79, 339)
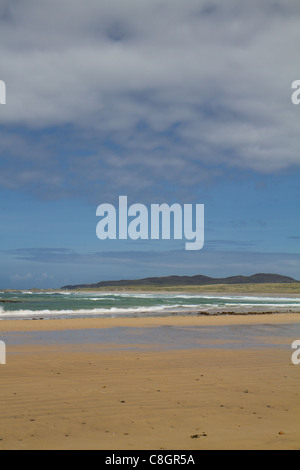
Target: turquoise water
(27, 304)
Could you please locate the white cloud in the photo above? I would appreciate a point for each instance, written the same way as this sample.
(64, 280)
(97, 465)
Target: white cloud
(177, 86)
(21, 277)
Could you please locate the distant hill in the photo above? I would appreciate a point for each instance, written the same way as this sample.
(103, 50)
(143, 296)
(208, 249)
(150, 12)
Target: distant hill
(198, 280)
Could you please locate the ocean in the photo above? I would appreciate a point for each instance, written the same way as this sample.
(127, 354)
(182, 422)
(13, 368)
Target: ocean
(55, 305)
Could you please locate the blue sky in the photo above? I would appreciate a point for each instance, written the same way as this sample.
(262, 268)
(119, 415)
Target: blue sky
(160, 100)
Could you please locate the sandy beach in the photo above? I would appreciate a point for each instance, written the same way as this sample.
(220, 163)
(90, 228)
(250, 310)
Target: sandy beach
(112, 396)
(150, 229)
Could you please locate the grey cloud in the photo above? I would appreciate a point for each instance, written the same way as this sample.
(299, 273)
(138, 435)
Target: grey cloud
(179, 89)
(234, 244)
(169, 262)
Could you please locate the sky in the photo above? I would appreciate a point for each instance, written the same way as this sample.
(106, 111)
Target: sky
(163, 101)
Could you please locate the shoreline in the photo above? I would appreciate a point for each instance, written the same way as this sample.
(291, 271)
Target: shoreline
(263, 289)
(128, 304)
(148, 321)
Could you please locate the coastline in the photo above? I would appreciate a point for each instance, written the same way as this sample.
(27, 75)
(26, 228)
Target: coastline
(57, 304)
(255, 289)
(148, 321)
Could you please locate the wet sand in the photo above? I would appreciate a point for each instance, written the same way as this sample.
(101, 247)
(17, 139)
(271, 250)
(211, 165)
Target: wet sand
(66, 396)
(146, 321)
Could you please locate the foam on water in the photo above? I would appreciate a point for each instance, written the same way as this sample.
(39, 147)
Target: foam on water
(65, 304)
(85, 312)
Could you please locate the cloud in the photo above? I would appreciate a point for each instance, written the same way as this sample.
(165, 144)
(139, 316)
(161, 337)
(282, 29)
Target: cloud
(21, 277)
(29, 279)
(233, 244)
(137, 264)
(44, 254)
(162, 93)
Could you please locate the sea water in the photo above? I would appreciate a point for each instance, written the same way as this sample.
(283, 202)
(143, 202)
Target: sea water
(65, 304)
